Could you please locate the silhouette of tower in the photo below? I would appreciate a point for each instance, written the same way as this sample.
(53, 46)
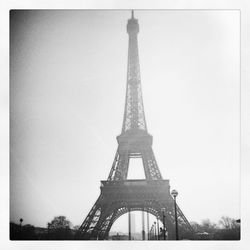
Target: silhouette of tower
(118, 194)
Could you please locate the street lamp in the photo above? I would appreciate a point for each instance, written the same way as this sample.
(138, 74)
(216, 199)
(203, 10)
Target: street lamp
(21, 220)
(158, 231)
(154, 230)
(174, 193)
(151, 231)
(164, 228)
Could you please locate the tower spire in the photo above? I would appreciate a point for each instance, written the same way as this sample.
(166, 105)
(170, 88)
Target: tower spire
(134, 117)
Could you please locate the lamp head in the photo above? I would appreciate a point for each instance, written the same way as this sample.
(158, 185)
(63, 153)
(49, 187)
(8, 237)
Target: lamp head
(174, 193)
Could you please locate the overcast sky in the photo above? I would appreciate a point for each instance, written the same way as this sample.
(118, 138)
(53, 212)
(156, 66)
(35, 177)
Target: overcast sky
(68, 79)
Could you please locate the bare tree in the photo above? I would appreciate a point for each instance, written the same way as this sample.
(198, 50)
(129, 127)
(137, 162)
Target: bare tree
(227, 222)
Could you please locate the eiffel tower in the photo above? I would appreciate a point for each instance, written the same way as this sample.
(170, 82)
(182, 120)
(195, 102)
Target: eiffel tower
(120, 195)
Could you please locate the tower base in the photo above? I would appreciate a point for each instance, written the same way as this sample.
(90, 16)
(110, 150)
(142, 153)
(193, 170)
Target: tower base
(120, 197)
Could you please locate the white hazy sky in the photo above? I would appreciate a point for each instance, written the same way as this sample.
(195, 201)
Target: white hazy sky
(68, 79)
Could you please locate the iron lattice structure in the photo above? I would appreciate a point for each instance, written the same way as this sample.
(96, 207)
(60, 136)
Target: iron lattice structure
(118, 194)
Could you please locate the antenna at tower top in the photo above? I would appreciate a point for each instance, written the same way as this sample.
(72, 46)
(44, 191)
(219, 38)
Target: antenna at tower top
(132, 14)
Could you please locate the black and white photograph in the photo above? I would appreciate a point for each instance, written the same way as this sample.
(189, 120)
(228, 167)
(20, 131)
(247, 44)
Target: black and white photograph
(125, 125)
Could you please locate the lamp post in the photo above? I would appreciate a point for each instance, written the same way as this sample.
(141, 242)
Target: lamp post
(152, 232)
(164, 228)
(148, 225)
(129, 225)
(143, 226)
(174, 193)
(21, 220)
(155, 230)
(158, 231)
